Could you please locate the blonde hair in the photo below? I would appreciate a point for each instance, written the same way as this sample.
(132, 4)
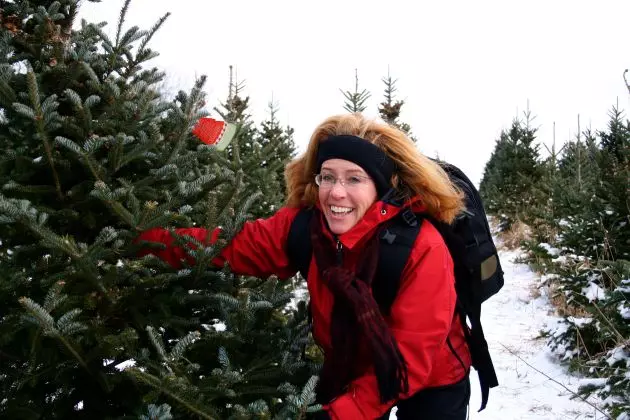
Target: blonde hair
(415, 175)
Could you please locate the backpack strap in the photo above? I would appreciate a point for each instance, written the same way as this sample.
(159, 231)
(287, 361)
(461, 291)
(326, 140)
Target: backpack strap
(480, 355)
(397, 239)
(298, 247)
(300, 251)
(469, 299)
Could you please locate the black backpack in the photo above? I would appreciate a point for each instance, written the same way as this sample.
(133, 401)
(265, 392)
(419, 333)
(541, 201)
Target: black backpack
(478, 271)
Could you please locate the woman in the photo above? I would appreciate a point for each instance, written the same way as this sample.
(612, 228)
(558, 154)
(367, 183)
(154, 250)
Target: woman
(414, 357)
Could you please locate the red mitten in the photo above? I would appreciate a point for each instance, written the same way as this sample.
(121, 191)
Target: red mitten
(214, 133)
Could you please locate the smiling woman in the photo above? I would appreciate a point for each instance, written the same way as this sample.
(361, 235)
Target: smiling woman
(345, 194)
(357, 177)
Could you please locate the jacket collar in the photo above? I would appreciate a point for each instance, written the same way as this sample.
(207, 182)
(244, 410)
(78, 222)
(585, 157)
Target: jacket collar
(375, 216)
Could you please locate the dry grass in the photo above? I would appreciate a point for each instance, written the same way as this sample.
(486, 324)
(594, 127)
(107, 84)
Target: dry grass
(534, 291)
(563, 308)
(514, 237)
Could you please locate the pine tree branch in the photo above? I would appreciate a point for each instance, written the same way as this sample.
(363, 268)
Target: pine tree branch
(92, 168)
(121, 21)
(190, 111)
(102, 192)
(73, 351)
(156, 383)
(152, 32)
(39, 120)
(181, 138)
(34, 222)
(33, 352)
(44, 320)
(83, 155)
(211, 215)
(235, 191)
(620, 336)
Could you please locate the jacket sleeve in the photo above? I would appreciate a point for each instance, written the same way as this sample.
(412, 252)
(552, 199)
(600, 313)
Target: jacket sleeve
(420, 320)
(257, 250)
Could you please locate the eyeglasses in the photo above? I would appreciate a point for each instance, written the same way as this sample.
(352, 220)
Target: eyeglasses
(349, 182)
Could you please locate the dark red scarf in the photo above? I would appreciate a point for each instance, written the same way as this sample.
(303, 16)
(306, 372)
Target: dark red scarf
(356, 318)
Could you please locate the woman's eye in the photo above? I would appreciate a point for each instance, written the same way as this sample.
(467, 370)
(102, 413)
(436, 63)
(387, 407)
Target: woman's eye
(327, 178)
(354, 180)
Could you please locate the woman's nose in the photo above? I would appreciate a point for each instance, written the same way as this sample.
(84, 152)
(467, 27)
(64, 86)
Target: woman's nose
(338, 190)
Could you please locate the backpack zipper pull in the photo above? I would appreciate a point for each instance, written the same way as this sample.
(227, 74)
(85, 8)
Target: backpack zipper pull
(339, 253)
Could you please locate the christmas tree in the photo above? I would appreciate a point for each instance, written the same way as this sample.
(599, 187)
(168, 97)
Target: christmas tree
(390, 108)
(264, 151)
(576, 203)
(589, 259)
(91, 156)
(511, 173)
(355, 99)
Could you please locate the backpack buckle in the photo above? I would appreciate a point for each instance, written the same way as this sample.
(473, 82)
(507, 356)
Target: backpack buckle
(409, 217)
(465, 214)
(388, 237)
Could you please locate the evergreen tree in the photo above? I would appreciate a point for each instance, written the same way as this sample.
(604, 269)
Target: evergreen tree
(593, 240)
(593, 195)
(92, 155)
(355, 100)
(578, 167)
(507, 185)
(389, 109)
(264, 151)
(580, 206)
(278, 148)
(543, 209)
(614, 189)
(615, 140)
(575, 196)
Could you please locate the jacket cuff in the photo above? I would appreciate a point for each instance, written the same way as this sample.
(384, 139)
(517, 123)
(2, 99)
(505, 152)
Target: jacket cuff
(345, 408)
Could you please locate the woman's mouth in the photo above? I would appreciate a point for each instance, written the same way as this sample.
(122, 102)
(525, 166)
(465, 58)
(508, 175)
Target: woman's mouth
(339, 211)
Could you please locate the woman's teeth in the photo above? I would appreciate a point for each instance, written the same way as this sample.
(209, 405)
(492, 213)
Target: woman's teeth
(340, 210)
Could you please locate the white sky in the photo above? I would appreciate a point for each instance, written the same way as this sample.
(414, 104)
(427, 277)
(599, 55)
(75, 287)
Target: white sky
(465, 68)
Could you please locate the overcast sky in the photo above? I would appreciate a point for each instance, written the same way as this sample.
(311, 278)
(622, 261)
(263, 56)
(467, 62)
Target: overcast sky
(465, 69)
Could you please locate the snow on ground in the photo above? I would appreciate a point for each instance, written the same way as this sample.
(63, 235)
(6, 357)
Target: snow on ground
(512, 321)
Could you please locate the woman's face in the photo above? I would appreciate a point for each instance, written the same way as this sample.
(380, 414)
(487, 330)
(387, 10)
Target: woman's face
(344, 205)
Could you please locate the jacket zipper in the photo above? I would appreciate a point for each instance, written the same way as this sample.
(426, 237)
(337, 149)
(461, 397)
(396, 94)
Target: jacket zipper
(340, 264)
(339, 253)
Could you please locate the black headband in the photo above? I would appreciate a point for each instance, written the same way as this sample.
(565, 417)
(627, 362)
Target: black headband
(360, 151)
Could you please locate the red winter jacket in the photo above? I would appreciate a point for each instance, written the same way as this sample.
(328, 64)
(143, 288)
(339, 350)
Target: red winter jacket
(422, 315)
